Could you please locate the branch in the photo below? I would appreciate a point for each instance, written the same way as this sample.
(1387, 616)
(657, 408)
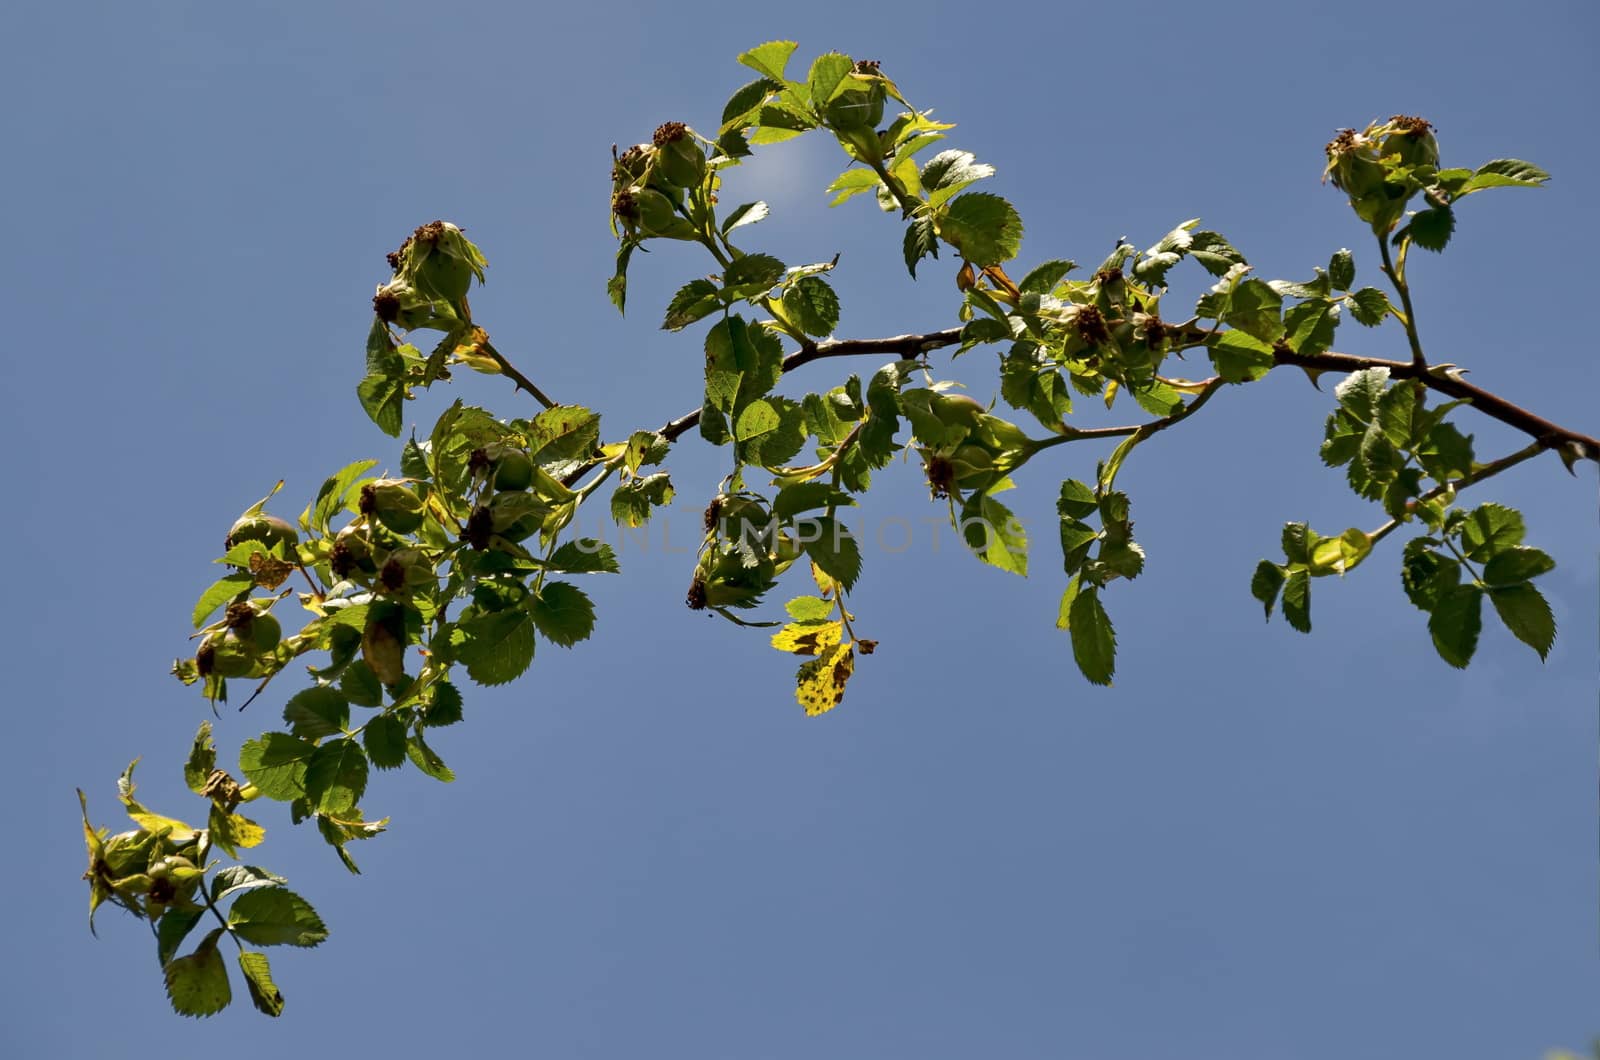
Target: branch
(1548, 435)
(904, 345)
(509, 370)
(1488, 470)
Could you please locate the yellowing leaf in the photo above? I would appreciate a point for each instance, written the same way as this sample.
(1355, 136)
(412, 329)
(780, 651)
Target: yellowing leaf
(808, 638)
(820, 684)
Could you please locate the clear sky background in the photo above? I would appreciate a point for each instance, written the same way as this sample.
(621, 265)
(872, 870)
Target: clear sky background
(1257, 844)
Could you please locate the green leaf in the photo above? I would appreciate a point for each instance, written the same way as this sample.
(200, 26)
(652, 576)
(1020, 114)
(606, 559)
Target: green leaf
(1431, 229)
(632, 501)
(809, 609)
(563, 613)
(1369, 306)
(336, 776)
(444, 708)
(748, 214)
(335, 489)
(985, 229)
(827, 72)
(993, 533)
(1265, 583)
(176, 923)
(852, 182)
(1297, 601)
(808, 496)
(757, 418)
(360, 685)
(1426, 575)
(1076, 500)
(276, 916)
(752, 276)
(1215, 254)
(498, 647)
(1043, 277)
(316, 712)
(1342, 270)
(197, 985)
(1239, 358)
(1504, 173)
(740, 110)
(586, 555)
(1255, 308)
(221, 592)
(1455, 623)
(1490, 528)
(383, 396)
(617, 286)
(1526, 614)
(276, 764)
(769, 59)
(561, 439)
(264, 993)
(832, 547)
(813, 307)
(233, 879)
(202, 760)
(1094, 641)
(385, 740)
(1359, 392)
(1517, 563)
(947, 172)
(694, 300)
(922, 241)
(1310, 326)
(423, 757)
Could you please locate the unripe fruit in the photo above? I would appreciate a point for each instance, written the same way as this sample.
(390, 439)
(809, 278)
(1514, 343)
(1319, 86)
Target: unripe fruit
(268, 529)
(513, 471)
(393, 503)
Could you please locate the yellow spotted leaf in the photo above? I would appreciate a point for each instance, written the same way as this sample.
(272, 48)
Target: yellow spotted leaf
(820, 683)
(808, 638)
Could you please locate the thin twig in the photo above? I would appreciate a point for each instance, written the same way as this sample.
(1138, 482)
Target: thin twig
(509, 370)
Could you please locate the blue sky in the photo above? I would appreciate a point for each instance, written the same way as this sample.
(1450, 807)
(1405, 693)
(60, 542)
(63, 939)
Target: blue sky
(1256, 844)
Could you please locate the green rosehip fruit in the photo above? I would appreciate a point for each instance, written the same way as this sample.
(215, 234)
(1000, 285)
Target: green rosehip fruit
(226, 654)
(958, 410)
(393, 503)
(1411, 140)
(268, 529)
(658, 217)
(859, 105)
(679, 160)
(352, 554)
(633, 166)
(513, 471)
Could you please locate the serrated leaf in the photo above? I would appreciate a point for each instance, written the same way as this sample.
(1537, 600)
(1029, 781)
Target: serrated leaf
(444, 707)
(1241, 358)
(202, 760)
(748, 214)
(276, 916)
(752, 275)
(1342, 270)
(175, 926)
(1309, 326)
(563, 613)
(694, 300)
(995, 535)
(921, 241)
(335, 489)
(316, 712)
(1455, 623)
(221, 592)
(586, 555)
(360, 685)
(1515, 564)
(1490, 528)
(820, 683)
(809, 608)
(264, 993)
(632, 501)
(852, 182)
(276, 764)
(336, 776)
(1043, 277)
(1076, 500)
(832, 547)
(812, 305)
(197, 985)
(382, 396)
(1094, 640)
(1297, 601)
(1504, 173)
(1526, 614)
(1369, 306)
(385, 740)
(769, 59)
(424, 758)
(1359, 392)
(808, 638)
(985, 229)
(947, 172)
(498, 648)
(233, 879)
(1265, 583)
(1431, 229)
